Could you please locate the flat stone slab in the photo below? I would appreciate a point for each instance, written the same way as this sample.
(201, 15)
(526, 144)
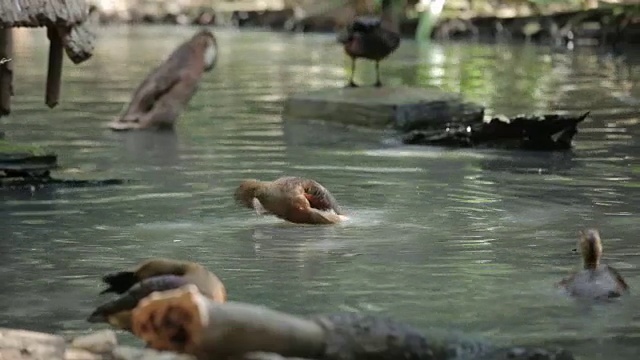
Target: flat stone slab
(401, 108)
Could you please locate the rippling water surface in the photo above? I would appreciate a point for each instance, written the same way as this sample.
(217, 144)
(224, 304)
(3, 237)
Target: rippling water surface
(454, 239)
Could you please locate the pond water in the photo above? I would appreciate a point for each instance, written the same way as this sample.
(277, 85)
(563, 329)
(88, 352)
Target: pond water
(450, 239)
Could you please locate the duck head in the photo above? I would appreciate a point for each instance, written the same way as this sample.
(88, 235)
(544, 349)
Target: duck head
(205, 43)
(590, 247)
(246, 191)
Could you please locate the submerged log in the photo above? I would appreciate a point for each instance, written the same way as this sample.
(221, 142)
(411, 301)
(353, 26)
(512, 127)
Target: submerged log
(185, 321)
(25, 160)
(546, 132)
(401, 108)
(15, 181)
(162, 96)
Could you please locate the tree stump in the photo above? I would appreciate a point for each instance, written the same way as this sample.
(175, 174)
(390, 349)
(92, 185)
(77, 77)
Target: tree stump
(183, 320)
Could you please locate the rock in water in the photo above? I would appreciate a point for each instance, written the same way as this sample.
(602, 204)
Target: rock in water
(545, 132)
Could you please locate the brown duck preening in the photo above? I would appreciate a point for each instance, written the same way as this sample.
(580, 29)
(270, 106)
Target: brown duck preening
(372, 38)
(295, 199)
(150, 276)
(162, 96)
(596, 280)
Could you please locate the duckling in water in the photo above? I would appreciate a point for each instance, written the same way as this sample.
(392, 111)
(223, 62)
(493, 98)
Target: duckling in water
(149, 276)
(297, 200)
(596, 281)
(372, 38)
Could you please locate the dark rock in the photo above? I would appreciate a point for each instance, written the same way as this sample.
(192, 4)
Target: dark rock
(545, 132)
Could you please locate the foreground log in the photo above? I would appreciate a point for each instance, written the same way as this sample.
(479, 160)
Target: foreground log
(164, 94)
(183, 320)
(546, 132)
(19, 160)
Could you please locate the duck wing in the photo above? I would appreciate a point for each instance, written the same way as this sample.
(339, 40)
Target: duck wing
(129, 300)
(319, 197)
(623, 284)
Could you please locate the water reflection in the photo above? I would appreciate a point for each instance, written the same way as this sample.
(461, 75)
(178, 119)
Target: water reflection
(157, 148)
(457, 239)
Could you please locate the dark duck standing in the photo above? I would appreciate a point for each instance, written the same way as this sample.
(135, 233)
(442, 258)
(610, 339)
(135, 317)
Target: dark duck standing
(150, 276)
(371, 37)
(595, 281)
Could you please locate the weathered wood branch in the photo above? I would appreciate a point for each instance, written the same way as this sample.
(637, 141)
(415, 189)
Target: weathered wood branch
(6, 71)
(54, 72)
(185, 321)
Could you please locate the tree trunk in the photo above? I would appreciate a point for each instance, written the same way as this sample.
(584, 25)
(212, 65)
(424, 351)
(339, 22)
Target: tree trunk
(185, 321)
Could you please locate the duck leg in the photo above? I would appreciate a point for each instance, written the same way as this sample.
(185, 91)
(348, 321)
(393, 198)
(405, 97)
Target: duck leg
(353, 72)
(378, 82)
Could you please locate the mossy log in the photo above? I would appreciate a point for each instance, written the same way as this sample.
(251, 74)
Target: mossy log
(36, 182)
(183, 320)
(18, 160)
(401, 108)
(546, 132)
(30, 166)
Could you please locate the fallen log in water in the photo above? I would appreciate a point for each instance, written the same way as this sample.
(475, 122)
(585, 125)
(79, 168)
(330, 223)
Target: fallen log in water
(183, 320)
(545, 132)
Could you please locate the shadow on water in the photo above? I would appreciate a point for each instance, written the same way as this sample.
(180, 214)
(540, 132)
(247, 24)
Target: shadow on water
(441, 238)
